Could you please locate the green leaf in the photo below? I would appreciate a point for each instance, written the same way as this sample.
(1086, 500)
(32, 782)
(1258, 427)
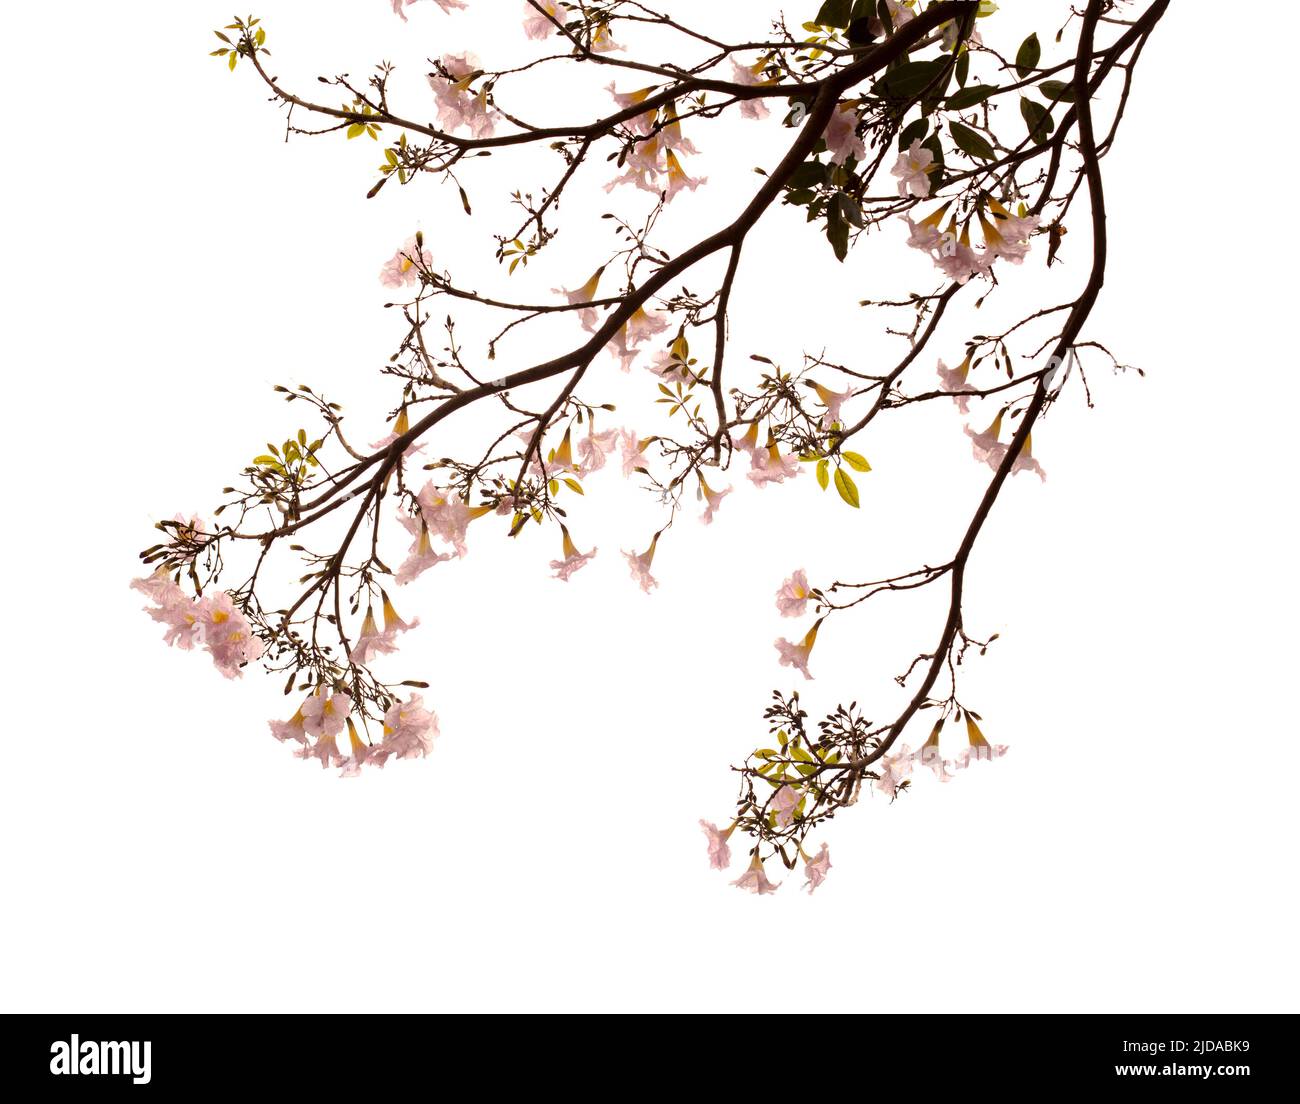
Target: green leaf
(1058, 90)
(1037, 118)
(808, 175)
(823, 473)
(850, 212)
(971, 142)
(837, 232)
(963, 67)
(356, 130)
(847, 488)
(1027, 56)
(856, 461)
(969, 97)
(909, 79)
(914, 131)
(835, 13)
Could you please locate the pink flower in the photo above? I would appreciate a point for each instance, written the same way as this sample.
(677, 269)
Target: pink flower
(755, 880)
(633, 451)
(593, 449)
(928, 755)
(748, 444)
(641, 167)
(980, 750)
(292, 729)
(362, 753)
(324, 712)
(446, 515)
(752, 76)
(634, 331)
(228, 635)
(1007, 236)
(769, 466)
(457, 105)
(371, 642)
(409, 729)
(422, 555)
(893, 769)
(954, 379)
(677, 178)
(541, 24)
(792, 598)
(640, 565)
(784, 803)
(841, 135)
(832, 400)
(325, 749)
(926, 235)
(588, 316)
(402, 269)
(985, 446)
(173, 608)
(796, 655)
(719, 852)
(1025, 462)
(816, 868)
(446, 5)
(957, 259)
(912, 169)
(573, 559)
(712, 497)
(638, 124)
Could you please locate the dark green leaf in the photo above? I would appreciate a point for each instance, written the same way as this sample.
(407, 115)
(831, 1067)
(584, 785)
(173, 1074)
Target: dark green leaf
(1027, 56)
(835, 13)
(1058, 90)
(969, 97)
(971, 142)
(909, 79)
(1037, 118)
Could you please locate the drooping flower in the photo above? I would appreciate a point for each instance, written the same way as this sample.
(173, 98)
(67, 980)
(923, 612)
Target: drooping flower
(446, 515)
(588, 316)
(985, 446)
(928, 755)
(641, 326)
(559, 459)
(409, 729)
(602, 40)
(769, 466)
(593, 449)
(446, 5)
(926, 235)
(980, 750)
(542, 24)
(912, 169)
(755, 879)
(796, 655)
(678, 179)
(784, 803)
(640, 565)
(172, 607)
(712, 498)
(638, 124)
(361, 753)
(325, 749)
(641, 166)
(792, 598)
(747, 443)
(1025, 462)
(832, 400)
(227, 634)
(893, 769)
(457, 104)
(370, 641)
(633, 448)
(751, 76)
(573, 559)
(422, 555)
(719, 852)
(958, 259)
(841, 135)
(402, 269)
(292, 729)
(1007, 235)
(817, 867)
(325, 711)
(954, 379)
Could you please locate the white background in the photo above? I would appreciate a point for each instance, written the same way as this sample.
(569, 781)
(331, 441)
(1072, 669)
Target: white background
(168, 258)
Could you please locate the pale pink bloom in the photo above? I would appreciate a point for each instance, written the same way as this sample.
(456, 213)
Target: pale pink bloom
(719, 852)
(633, 452)
(457, 105)
(446, 5)
(667, 365)
(370, 641)
(325, 749)
(292, 729)
(817, 867)
(671, 137)
(638, 124)
(573, 559)
(792, 598)
(750, 75)
(227, 634)
(174, 608)
(588, 316)
(362, 753)
(642, 167)
(409, 730)
(713, 498)
(541, 24)
(1008, 237)
(985, 446)
(769, 466)
(928, 756)
(980, 750)
(1025, 462)
(900, 14)
(755, 880)
(893, 769)
(954, 379)
(912, 170)
(402, 269)
(832, 400)
(422, 555)
(958, 260)
(677, 178)
(559, 460)
(593, 449)
(640, 565)
(796, 655)
(841, 135)
(602, 40)
(446, 515)
(635, 330)
(784, 803)
(926, 235)
(748, 444)
(324, 712)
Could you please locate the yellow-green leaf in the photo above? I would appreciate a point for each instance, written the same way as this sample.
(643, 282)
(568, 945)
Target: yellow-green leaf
(823, 473)
(856, 461)
(847, 488)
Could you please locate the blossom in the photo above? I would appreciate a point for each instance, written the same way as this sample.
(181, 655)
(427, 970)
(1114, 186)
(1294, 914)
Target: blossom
(769, 466)
(792, 598)
(559, 459)
(841, 135)
(926, 235)
(1007, 235)
(712, 497)
(1025, 462)
(593, 449)
(677, 178)
(642, 167)
(949, 32)
(324, 712)
(671, 137)
(446, 5)
(370, 641)
(638, 124)
(958, 259)
(748, 444)
(402, 269)
(173, 608)
(227, 634)
(362, 753)
(817, 867)
(796, 655)
(422, 555)
(325, 749)
(409, 729)
(457, 105)
(719, 852)
(446, 515)
(893, 769)
(832, 400)
(980, 749)
(634, 331)
(292, 729)
(750, 75)
(588, 316)
(985, 446)
(541, 24)
(900, 13)
(633, 451)
(912, 169)
(640, 565)
(784, 803)
(954, 379)
(602, 40)
(928, 755)
(755, 880)
(573, 559)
